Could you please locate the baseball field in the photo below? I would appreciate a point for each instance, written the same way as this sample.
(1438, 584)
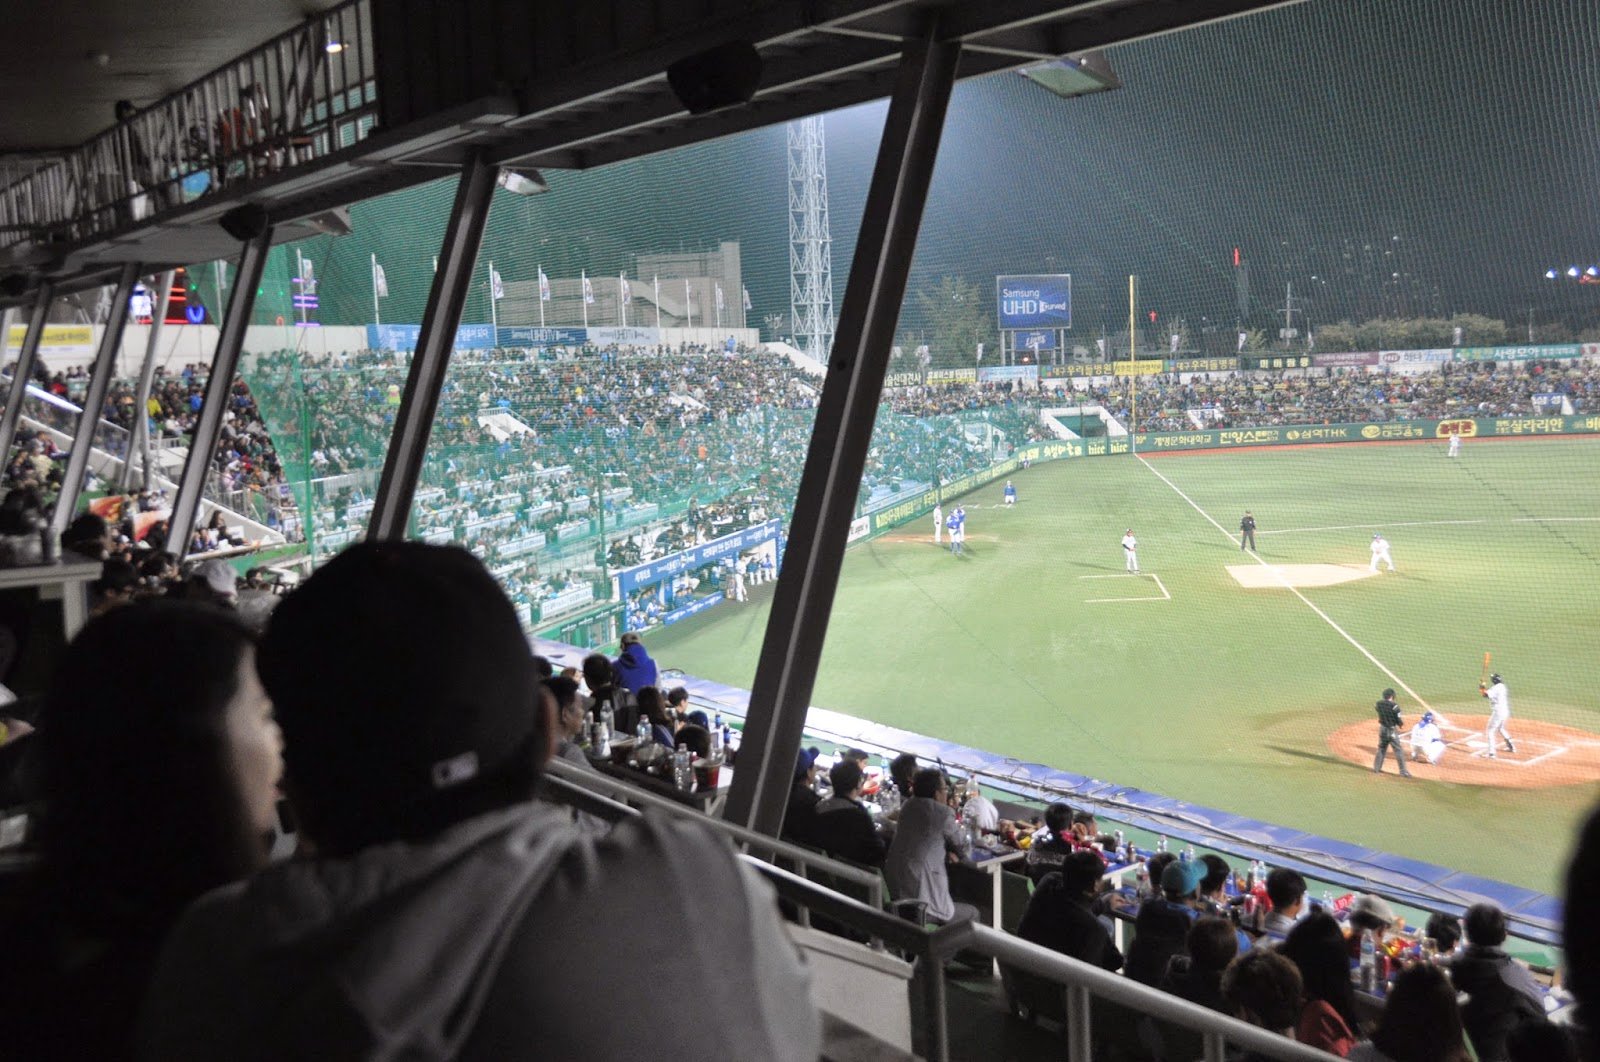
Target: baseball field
(1239, 681)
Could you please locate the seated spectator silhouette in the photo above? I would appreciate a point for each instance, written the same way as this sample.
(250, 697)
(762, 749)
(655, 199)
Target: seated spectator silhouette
(843, 826)
(601, 679)
(1049, 851)
(1286, 889)
(1444, 930)
(1329, 1021)
(1195, 974)
(1263, 988)
(634, 668)
(1420, 1021)
(157, 763)
(1580, 934)
(1162, 925)
(444, 913)
(800, 812)
(1501, 992)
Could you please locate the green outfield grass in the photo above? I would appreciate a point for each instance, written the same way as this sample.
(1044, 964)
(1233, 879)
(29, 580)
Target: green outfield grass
(1222, 695)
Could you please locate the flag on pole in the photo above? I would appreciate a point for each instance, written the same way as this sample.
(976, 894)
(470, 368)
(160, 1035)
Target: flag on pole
(308, 274)
(1242, 337)
(980, 351)
(1100, 345)
(496, 287)
(544, 286)
(1311, 340)
(380, 283)
(588, 290)
(1175, 340)
(746, 292)
(626, 289)
(719, 298)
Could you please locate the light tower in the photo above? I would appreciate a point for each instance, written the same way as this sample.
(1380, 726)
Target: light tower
(810, 245)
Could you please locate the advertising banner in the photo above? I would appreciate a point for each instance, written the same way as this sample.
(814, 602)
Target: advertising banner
(1201, 364)
(663, 568)
(57, 339)
(405, 336)
(1522, 353)
(1137, 368)
(1034, 301)
(533, 336)
(1038, 339)
(1414, 360)
(997, 373)
(624, 337)
(952, 375)
(697, 605)
(1345, 359)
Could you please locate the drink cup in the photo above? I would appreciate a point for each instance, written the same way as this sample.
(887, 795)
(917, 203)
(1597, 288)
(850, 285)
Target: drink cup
(706, 774)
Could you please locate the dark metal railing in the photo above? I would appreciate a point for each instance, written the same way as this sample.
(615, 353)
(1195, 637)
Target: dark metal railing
(295, 99)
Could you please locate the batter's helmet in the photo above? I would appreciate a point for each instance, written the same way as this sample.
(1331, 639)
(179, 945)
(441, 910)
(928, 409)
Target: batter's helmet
(1494, 678)
(1427, 717)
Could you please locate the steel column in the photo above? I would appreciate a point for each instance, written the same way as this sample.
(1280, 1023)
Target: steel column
(402, 465)
(825, 504)
(27, 354)
(139, 430)
(105, 364)
(203, 443)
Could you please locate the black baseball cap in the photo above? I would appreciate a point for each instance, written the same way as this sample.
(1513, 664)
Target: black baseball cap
(398, 671)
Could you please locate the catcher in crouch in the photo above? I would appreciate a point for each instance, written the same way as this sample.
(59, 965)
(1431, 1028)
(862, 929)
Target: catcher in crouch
(1425, 741)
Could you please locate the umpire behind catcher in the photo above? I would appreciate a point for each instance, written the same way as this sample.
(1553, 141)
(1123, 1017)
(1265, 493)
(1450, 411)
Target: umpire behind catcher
(1389, 734)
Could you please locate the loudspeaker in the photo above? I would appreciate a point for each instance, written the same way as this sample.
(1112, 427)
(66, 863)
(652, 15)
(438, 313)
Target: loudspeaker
(245, 222)
(718, 77)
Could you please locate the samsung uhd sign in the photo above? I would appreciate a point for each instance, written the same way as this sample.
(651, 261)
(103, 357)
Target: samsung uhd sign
(1035, 301)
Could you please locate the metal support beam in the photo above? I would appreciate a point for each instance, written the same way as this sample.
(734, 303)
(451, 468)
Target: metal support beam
(402, 466)
(203, 444)
(27, 354)
(825, 504)
(105, 366)
(139, 435)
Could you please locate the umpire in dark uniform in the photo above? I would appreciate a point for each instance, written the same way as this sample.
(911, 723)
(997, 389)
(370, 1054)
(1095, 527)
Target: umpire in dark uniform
(1247, 531)
(1389, 734)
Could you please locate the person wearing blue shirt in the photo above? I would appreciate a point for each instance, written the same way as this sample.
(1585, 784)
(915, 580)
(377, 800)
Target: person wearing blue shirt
(635, 670)
(1011, 493)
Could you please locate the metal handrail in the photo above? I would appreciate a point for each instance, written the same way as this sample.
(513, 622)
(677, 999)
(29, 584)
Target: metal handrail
(596, 783)
(298, 97)
(1079, 980)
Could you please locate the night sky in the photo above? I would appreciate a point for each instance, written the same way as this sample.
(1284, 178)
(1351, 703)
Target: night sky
(1310, 137)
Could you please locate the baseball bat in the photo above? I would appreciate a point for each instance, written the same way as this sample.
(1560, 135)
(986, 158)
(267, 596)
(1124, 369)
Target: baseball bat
(1484, 678)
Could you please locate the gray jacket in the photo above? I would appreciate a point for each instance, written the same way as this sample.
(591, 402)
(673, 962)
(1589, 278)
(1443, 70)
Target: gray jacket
(915, 865)
(510, 936)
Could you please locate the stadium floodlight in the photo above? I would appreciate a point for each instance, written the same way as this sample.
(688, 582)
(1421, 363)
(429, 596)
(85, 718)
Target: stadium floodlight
(1593, 271)
(522, 182)
(1549, 274)
(1572, 271)
(1074, 75)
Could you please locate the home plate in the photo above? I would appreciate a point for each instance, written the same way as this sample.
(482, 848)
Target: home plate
(1297, 576)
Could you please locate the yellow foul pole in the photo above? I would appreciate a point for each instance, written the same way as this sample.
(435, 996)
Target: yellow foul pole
(1133, 369)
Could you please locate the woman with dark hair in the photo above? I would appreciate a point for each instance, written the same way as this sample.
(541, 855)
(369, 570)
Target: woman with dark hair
(1420, 1022)
(1328, 1020)
(158, 763)
(653, 707)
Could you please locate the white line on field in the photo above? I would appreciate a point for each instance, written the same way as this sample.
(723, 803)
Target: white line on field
(1435, 523)
(1122, 575)
(1162, 586)
(1536, 759)
(1398, 681)
(1115, 600)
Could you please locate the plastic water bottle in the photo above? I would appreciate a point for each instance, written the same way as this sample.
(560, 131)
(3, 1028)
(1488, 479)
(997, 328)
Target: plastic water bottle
(586, 739)
(1188, 854)
(1161, 843)
(1327, 901)
(1142, 886)
(602, 735)
(1122, 843)
(716, 754)
(608, 722)
(645, 735)
(1369, 961)
(682, 772)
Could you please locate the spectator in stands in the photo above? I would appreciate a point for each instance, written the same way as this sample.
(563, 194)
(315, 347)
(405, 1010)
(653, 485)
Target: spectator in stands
(654, 708)
(1049, 851)
(116, 586)
(1420, 1021)
(1580, 933)
(800, 813)
(1163, 922)
(902, 770)
(1212, 895)
(678, 703)
(568, 720)
(213, 582)
(1195, 974)
(843, 826)
(441, 899)
(1263, 988)
(601, 680)
(1060, 913)
(1369, 912)
(1501, 992)
(695, 738)
(158, 763)
(1445, 931)
(634, 668)
(926, 839)
(1328, 1021)
(1286, 889)
(87, 536)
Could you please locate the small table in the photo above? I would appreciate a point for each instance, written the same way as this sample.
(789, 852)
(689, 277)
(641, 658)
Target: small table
(993, 863)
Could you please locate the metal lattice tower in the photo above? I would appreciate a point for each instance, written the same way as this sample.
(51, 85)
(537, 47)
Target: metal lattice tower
(810, 245)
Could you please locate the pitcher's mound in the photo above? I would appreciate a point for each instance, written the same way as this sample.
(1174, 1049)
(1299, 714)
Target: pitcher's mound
(1548, 754)
(1299, 576)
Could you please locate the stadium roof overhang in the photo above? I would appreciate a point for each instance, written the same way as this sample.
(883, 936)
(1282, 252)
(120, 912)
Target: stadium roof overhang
(816, 57)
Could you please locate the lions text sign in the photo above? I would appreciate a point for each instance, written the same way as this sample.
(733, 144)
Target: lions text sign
(1035, 301)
